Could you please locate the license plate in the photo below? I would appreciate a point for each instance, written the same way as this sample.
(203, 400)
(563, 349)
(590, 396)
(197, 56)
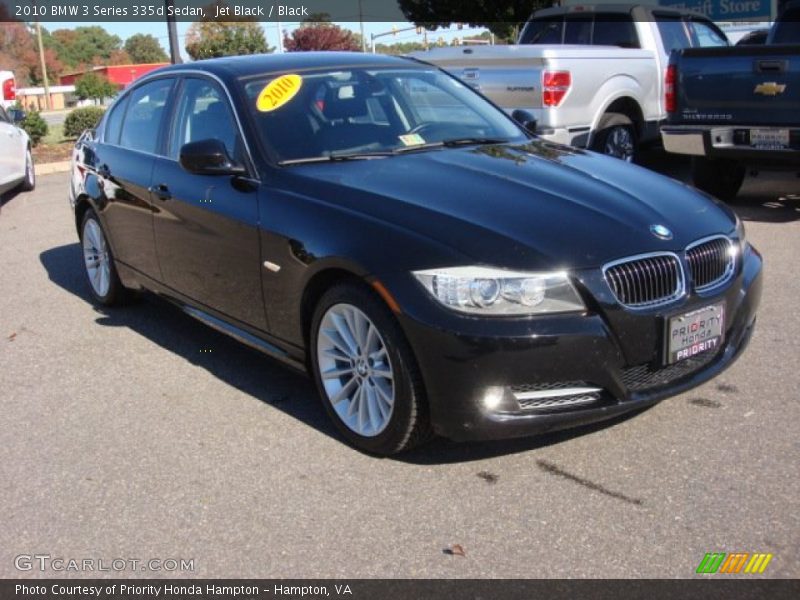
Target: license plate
(695, 332)
(769, 138)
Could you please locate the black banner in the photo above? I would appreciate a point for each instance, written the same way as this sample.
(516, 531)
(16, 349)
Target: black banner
(390, 589)
(97, 11)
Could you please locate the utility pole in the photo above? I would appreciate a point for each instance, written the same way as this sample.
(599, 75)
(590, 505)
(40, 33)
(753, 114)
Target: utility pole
(172, 30)
(47, 103)
(361, 25)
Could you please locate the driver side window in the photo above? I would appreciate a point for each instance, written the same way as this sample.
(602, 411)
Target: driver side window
(203, 113)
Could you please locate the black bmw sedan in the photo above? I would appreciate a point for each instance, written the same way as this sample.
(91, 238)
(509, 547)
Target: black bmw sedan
(433, 266)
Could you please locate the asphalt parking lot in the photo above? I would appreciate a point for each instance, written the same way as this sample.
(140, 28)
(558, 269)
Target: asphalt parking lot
(140, 433)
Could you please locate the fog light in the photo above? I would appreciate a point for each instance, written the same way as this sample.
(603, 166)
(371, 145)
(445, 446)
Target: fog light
(493, 397)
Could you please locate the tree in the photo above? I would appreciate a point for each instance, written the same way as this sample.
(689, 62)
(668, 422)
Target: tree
(320, 36)
(210, 39)
(144, 48)
(85, 45)
(501, 17)
(18, 53)
(95, 87)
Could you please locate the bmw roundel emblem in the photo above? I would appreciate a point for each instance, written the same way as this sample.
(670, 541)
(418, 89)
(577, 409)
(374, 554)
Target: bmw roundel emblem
(660, 231)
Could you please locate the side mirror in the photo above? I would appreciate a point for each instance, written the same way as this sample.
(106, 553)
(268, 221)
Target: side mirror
(526, 119)
(209, 157)
(17, 115)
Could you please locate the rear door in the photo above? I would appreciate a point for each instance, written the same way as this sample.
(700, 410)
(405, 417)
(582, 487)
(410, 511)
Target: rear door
(132, 138)
(206, 227)
(12, 150)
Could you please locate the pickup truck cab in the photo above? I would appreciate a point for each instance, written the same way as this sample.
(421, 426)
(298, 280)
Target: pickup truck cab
(734, 108)
(591, 76)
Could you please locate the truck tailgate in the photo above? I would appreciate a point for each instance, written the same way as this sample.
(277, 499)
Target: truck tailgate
(509, 75)
(747, 85)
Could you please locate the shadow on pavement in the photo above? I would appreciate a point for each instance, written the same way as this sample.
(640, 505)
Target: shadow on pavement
(255, 374)
(770, 197)
(166, 325)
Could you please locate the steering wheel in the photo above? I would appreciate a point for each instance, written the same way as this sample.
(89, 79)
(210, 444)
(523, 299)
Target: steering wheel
(421, 128)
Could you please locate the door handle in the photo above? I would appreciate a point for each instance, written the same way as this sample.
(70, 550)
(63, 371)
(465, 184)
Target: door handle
(771, 66)
(161, 191)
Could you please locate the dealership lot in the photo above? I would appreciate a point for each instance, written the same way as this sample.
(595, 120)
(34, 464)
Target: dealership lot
(139, 433)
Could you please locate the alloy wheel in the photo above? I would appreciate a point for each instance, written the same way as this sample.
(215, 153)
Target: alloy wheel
(355, 370)
(619, 143)
(96, 258)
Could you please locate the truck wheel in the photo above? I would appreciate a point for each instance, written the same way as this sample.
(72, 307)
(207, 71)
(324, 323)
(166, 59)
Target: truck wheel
(616, 136)
(720, 178)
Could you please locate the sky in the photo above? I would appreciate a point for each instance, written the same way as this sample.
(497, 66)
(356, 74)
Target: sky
(159, 30)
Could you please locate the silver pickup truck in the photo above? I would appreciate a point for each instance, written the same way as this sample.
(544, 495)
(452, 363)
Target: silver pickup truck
(590, 76)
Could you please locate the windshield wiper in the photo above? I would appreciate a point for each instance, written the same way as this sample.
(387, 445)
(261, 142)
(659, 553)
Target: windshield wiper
(452, 143)
(334, 157)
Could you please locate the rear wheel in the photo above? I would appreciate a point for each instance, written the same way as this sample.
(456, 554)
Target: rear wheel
(366, 373)
(719, 177)
(616, 136)
(98, 262)
(30, 173)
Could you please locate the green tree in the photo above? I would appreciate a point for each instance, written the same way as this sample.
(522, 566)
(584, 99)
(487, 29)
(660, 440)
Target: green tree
(85, 45)
(211, 39)
(144, 48)
(501, 17)
(94, 87)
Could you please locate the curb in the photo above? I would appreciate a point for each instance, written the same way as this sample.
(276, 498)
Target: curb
(54, 167)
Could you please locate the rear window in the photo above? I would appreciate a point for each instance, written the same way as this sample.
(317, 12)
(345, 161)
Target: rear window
(600, 29)
(787, 30)
(678, 33)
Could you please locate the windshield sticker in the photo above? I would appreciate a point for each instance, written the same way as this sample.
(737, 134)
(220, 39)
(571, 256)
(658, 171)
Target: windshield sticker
(278, 92)
(412, 139)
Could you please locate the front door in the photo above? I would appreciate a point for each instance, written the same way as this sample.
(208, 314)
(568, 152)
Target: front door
(206, 227)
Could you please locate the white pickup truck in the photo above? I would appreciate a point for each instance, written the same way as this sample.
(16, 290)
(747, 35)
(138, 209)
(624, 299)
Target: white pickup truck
(590, 76)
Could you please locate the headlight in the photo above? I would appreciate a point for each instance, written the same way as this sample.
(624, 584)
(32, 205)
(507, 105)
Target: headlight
(494, 292)
(741, 234)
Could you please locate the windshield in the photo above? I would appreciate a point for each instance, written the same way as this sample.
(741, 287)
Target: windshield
(363, 112)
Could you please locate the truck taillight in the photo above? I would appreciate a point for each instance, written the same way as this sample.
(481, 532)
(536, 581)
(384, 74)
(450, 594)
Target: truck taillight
(555, 85)
(9, 90)
(669, 88)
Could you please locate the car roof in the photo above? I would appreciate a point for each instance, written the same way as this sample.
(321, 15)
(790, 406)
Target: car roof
(256, 64)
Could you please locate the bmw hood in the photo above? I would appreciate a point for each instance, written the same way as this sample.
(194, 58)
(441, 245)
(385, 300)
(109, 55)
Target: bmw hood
(531, 206)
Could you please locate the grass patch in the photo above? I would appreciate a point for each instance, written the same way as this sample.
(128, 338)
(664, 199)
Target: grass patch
(55, 135)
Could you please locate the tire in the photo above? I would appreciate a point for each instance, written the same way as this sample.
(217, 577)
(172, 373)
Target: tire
(616, 136)
(720, 178)
(376, 397)
(98, 262)
(29, 182)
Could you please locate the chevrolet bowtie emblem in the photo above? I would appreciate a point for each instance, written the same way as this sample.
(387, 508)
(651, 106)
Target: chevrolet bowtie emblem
(770, 88)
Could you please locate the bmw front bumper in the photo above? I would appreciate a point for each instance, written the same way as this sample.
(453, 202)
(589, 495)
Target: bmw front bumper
(505, 378)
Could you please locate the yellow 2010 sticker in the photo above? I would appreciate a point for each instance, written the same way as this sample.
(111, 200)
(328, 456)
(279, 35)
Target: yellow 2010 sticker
(278, 92)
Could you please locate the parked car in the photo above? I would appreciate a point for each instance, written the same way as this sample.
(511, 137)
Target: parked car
(737, 108)
(591, 76)
(16, 160)
(433, 265)
(8, 89)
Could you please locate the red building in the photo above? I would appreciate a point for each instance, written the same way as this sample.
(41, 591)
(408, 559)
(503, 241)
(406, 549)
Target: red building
(120, 75)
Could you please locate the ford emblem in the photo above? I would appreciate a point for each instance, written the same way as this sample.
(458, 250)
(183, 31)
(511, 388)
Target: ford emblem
(660, 231)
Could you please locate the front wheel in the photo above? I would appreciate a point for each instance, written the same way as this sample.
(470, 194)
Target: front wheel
(366, 373)
(616, 136)
(719, 177)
